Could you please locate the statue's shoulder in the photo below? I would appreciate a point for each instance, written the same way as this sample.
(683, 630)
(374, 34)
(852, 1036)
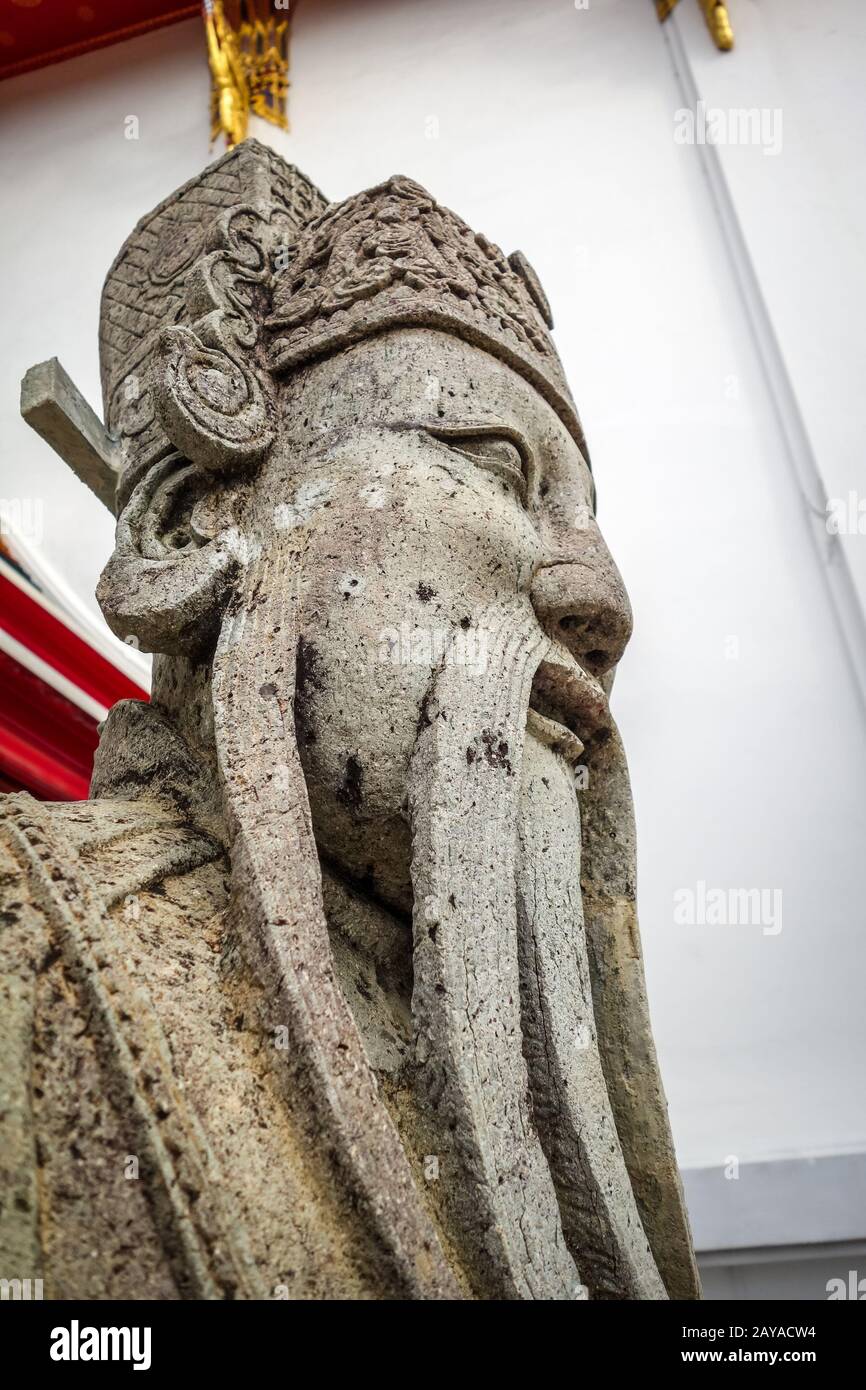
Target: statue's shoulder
(55, 854)
(75, 873)
(80, 880)
(152, 814)
(96, 899)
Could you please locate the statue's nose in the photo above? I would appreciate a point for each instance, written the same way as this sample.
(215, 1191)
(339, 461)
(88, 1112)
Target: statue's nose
(581, 600)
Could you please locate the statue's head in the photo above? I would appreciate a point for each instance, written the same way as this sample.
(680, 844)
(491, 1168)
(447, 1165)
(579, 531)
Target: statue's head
(369, 391)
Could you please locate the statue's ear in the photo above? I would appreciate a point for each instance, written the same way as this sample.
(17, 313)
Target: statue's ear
(176, 554)
(212, 398)
(213, 406)
(177, 548)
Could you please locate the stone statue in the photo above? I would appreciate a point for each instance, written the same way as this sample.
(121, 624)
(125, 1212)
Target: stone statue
(334, 987)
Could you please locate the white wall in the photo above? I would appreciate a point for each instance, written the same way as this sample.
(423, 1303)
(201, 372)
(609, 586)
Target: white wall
(555, 135)
(804, 216)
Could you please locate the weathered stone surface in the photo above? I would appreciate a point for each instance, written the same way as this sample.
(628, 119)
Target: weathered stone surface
(333, 988)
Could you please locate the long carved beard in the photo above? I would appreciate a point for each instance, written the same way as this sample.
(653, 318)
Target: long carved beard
(277, 902)
(495, 1190)
(532, 1182)
(533, 1194)
(571, 1105)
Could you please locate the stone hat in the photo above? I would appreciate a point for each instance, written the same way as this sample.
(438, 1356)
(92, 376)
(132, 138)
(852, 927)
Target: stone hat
(394, 257)
(330, 275)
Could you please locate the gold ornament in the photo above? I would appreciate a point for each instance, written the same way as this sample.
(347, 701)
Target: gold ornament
(718, 23)
(716, 15)
(248, 53)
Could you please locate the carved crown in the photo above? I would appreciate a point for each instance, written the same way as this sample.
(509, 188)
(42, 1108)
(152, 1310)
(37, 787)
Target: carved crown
(246, 273)
(394, 257)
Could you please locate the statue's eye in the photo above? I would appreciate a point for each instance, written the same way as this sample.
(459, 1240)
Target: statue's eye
(497, 453)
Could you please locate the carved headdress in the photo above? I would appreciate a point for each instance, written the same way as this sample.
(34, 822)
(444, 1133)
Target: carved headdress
(247, 273)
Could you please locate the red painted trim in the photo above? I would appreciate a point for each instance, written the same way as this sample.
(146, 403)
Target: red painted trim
(74, 50)
(38, 712)
(46, 743)
(40, 771)
(47, 637)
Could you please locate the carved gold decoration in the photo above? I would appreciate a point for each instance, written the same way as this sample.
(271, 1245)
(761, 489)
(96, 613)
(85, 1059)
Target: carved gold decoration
(248, 53)
(716, 15)
(718, 23)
